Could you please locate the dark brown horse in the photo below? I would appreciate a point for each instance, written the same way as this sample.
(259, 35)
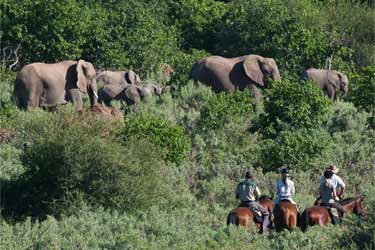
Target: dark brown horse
(319, 215)
(243, 216)
(286, 216)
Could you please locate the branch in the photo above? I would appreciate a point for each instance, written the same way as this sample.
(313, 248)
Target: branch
(17, 59)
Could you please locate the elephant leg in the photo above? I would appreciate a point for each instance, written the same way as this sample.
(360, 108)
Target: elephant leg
(255, 92)
(331, 92)
(93, 97)
(76, 97)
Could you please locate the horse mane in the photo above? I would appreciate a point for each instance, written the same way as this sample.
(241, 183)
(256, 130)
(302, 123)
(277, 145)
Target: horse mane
(348, 200)
(264, 196)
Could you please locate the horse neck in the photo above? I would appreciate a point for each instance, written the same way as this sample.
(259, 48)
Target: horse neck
(350, 206)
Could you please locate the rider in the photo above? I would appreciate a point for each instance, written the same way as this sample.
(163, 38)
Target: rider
(248, 192)
(340, 185)
(285, 188)
(338, 182)
(328, 193)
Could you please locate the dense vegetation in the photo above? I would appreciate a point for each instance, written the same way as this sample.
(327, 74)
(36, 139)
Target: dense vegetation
(165, 179)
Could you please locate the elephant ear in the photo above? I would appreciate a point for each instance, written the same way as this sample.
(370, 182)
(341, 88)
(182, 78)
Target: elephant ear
(82, 81)
(333, 78)
(132, 77)
(252, 68)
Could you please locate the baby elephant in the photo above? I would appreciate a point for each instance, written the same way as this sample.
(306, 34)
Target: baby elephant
(330, 81)
(129, 93)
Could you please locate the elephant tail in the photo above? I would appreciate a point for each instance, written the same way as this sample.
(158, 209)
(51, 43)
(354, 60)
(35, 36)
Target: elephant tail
(194, 71)
(304, 76)
(19, 93)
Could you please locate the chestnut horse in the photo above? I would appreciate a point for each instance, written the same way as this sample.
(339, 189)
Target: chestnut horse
(243, 216)
(319, 215)
(286, 216)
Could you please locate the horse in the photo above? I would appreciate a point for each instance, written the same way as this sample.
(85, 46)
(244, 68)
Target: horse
(319, 215)
(286, 216)
(243, 216)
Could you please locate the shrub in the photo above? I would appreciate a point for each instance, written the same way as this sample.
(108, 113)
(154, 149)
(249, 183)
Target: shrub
(362, 89)
(297, 149)
(293, 105)
(68, 163)
(170, 137)
(225, 107)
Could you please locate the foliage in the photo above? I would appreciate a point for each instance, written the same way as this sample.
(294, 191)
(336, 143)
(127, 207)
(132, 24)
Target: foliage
(171, 138)
(267, 28)
(362, 89)
(66, 159)
(224, 107)
(291, 105)
(73, 181)
(7, 105)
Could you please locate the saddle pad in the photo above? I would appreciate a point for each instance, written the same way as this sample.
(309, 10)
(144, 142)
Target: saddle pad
(334, 212)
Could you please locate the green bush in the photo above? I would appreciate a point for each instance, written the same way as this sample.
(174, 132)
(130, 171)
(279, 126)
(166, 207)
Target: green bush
(297, 149)
(68, 163)
(7, 105)
(362, 89)
(225, 107)
(291, 105)
(170, 137)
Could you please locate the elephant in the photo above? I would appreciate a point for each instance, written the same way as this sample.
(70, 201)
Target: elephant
(328, 80)
(47, 85)
(129, 93)
(230, 74)
(118, 77)
(150, 89)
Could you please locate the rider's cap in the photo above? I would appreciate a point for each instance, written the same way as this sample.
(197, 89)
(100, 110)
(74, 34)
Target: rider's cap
(333, 168)
(248, 175)
(284, 171)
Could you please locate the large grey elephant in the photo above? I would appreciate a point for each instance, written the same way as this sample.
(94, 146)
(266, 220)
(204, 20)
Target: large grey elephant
(229, 74)
(329, 81)
(47, 85)
(118, 77)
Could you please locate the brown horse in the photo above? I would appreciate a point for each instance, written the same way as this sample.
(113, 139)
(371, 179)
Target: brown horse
(286, 216)
(319, 215)
(243, 216)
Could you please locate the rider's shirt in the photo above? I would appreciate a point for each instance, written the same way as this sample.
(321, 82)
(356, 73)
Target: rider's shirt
(338, 182)
(247, 190)
(326, 190)
(285, 190)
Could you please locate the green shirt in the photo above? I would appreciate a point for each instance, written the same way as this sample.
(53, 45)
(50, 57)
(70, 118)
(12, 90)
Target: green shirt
(247, 190)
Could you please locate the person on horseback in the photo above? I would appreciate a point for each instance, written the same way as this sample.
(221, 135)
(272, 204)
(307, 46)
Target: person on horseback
(340, 185)
(329, 196)
(338, 182)
(285, 188)
(248, 192)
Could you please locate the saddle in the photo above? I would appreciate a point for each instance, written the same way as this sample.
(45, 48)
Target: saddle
(333, 213)
(255, 210)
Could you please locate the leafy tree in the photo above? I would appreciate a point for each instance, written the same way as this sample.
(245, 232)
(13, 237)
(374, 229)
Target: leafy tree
(291, 105)
(170, 137)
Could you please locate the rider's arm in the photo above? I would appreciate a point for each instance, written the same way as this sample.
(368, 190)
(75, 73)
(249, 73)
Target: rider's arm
(292, 191)
(257, 193)
(278, 189)
(236, 193)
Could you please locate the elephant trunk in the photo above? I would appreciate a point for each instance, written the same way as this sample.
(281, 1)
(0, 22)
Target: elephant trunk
(346, 90)
(276, 75)
(93, 92)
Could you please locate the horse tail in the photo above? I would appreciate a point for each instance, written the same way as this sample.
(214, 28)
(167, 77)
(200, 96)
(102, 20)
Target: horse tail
(292, 220)
(232, 218)
(305, 220)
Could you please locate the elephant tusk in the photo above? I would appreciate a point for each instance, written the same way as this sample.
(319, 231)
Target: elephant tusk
(95, 94)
